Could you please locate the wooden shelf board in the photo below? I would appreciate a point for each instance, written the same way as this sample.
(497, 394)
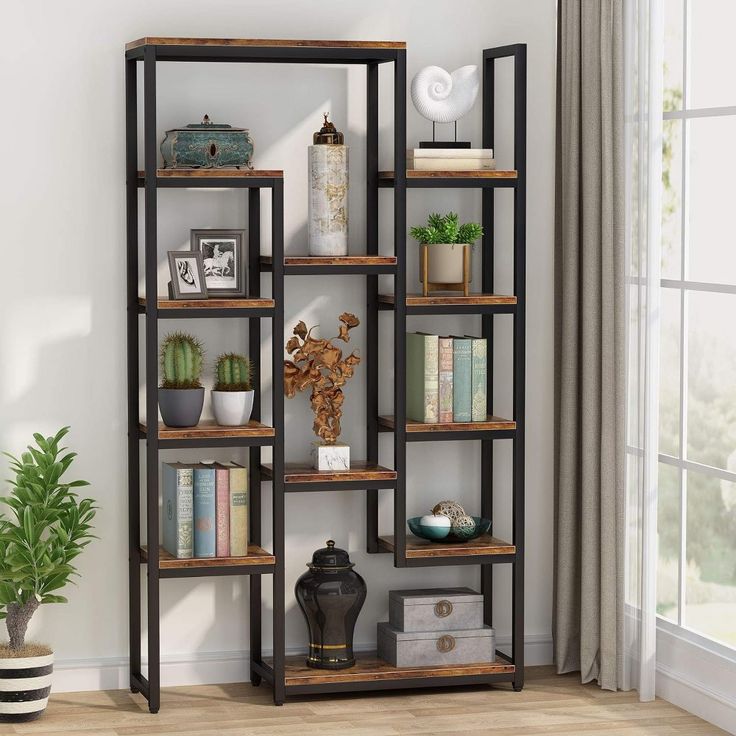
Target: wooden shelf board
(267, 42)
(471, 174)
(422, 548)
(334, 260)
(492, 423)
(359, 471)
(208, 429)
(216, 173)
(256, 556)
(369, 668)
(418, 300)
(234, 303)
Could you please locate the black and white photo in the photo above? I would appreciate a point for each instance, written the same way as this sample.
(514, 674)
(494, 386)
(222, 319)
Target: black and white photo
(223, 259)
(187, 275)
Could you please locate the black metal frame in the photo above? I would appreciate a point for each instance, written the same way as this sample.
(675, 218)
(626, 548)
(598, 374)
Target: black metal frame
(274, 671)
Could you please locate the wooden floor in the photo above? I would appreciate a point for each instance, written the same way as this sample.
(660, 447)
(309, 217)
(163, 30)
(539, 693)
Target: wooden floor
(548, 705)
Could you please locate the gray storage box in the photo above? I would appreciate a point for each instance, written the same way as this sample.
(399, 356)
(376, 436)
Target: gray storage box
(435, 648)
(435, 609)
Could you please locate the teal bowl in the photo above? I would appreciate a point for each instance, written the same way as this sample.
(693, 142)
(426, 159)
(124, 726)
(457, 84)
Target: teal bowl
(435, 534)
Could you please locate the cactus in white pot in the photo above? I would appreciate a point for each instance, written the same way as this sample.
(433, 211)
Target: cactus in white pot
(232, 396)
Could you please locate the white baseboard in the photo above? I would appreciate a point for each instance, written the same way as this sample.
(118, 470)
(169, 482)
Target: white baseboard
(691, 696)
(201, 668)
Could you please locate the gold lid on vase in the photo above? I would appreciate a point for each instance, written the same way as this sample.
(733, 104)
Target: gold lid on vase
(328, 134)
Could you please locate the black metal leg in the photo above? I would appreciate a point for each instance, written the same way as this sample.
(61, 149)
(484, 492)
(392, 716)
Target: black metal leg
(279, 640)
(372, 385)
(150, 146)
(400, 308)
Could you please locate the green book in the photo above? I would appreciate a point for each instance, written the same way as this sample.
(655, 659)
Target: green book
(205, 521)
(462, 410)
(479, 378)
(177, 527)
(422, 377)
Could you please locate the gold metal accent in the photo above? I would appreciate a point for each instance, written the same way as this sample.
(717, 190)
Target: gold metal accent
(442, 608)
(328, 646)
(445, 643)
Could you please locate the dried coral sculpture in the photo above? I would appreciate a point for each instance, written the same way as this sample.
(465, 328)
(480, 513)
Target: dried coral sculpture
(319, 364)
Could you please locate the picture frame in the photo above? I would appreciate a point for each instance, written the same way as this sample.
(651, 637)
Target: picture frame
(187, 275)
(224, 258)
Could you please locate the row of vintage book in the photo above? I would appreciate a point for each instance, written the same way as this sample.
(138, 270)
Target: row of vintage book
(205, 509)
(450, 159)
(446, 378)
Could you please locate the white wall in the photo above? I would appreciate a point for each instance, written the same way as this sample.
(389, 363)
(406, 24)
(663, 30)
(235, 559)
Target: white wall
(62, 315)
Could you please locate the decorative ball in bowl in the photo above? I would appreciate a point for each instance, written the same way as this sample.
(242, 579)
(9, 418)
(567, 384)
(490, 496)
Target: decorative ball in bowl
(455, 534)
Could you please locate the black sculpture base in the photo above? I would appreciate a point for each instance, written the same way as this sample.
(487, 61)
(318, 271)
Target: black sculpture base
(444, 144)
(330, 657)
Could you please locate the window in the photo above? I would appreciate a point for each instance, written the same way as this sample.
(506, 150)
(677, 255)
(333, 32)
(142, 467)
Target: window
(696, 580)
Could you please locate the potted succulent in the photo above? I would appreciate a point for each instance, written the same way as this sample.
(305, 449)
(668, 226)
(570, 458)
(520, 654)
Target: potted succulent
(181, 395)
(232, 396)
(445, 239)
(45, 527)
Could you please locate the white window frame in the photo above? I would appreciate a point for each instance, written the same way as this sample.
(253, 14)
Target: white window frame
(685, 287)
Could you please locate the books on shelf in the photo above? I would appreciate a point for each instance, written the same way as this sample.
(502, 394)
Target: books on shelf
(422, 379)
(446, 378)
(205, 510)
(450, 159)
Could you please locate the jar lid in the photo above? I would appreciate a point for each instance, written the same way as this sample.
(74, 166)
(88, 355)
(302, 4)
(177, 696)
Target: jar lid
(207, 124)
(330, 558)
(328, 133)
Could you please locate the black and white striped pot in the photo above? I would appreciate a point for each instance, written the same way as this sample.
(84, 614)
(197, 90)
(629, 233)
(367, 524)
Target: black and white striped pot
(25, 683)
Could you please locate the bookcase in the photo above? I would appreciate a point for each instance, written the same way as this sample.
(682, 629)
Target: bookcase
(146, 438)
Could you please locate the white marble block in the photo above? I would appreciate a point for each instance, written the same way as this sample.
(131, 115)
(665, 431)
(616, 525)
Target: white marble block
(328, 200)
(330, 457)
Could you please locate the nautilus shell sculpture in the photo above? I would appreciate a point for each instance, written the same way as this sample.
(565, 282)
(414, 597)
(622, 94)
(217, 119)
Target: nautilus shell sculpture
(443, 97)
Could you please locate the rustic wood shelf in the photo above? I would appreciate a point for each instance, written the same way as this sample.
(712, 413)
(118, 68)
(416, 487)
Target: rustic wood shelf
(361, 476)
(321, 265)
(369, 668)
(209, 308)
(417, 431)
(483, 546)
(452, 303)
(263, 42)
(256, 560)
(224, 178)
(209, 434)
(452, 179)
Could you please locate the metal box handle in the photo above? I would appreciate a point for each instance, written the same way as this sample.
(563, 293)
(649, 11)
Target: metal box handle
(442, 609)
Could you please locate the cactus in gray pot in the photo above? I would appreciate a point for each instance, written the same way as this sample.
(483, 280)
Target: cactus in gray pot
(234, 373)
(181, 361)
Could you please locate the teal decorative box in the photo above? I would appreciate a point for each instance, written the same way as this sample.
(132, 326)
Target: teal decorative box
(207, 145)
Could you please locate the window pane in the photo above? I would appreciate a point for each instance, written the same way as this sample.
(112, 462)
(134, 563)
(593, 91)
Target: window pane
(668, 531)
(712, 53)
(711, 410)
(710, 590)
(673, 10)
(669, 373)
(712, 236)
(671, 198)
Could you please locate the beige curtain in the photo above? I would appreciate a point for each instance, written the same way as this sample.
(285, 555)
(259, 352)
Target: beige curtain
(590, 343)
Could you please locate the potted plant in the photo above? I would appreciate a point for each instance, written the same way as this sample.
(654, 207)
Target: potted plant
(232, 396)
(44, 529)
(181, 395)
(444, 240)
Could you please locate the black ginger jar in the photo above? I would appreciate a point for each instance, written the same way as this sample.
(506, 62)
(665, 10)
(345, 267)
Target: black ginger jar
(330, 595)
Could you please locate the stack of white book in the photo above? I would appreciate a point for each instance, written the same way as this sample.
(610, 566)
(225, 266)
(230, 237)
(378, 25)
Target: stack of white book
(450, 159)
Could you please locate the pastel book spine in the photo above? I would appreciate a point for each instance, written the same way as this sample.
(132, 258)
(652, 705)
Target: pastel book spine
(222, 480)
(451, 164)
(479, 379)
(205, 512)
(177, 537)
(422, 377)
(445, 378)
(238, 511)
(449, 153)
(462, 380)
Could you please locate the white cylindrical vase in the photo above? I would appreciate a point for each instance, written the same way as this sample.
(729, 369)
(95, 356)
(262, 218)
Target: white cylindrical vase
(328, 200)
